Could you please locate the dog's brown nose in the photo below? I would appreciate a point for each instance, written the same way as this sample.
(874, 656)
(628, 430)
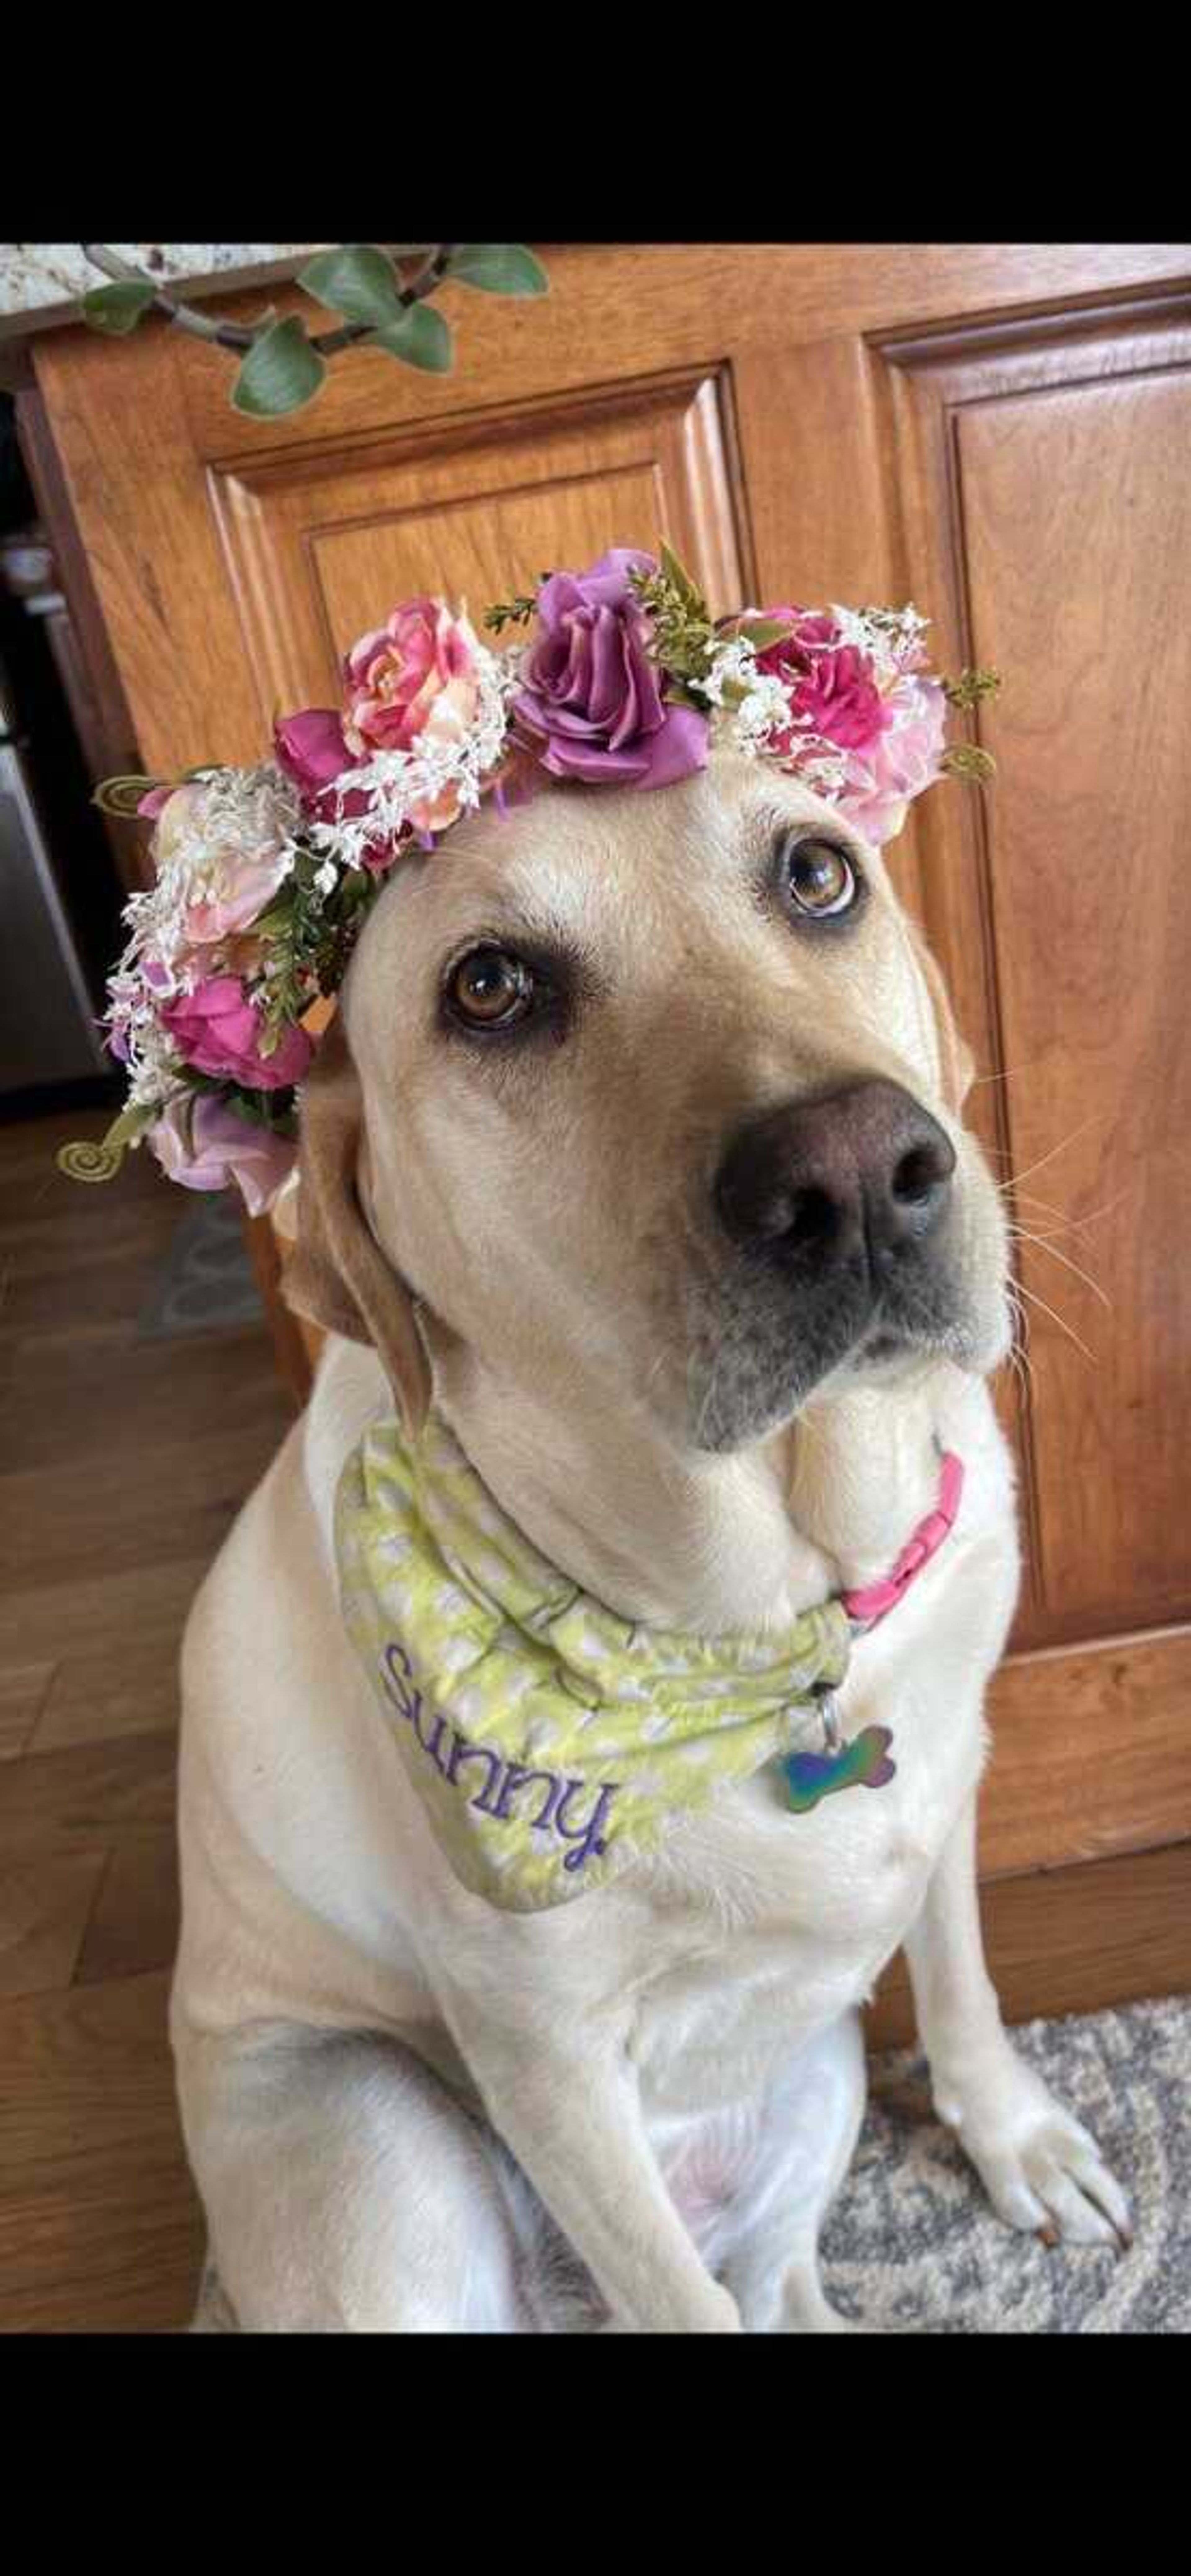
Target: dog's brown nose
(861, 1170)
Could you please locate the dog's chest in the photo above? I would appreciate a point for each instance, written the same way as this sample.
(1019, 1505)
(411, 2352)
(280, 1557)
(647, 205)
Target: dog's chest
(781, 1920)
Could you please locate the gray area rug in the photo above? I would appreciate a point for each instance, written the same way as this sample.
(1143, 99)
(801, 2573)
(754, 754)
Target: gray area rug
(912, 2244)
(205, 1283)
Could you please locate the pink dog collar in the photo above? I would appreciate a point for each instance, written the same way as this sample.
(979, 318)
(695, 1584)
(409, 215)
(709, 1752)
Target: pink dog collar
(873, 1601)
(866, 1762)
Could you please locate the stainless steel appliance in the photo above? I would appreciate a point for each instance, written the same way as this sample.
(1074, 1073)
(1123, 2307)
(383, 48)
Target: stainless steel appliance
(47, 1018)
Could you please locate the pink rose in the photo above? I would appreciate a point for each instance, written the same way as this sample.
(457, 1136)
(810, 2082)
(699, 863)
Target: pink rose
(217, 1030)
(311, 749)
(206, 1146)
(417, 674)
(891, 730)
(832, 689)
(905, 758)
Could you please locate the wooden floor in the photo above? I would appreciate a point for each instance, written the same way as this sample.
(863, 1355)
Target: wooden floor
(121, 1465)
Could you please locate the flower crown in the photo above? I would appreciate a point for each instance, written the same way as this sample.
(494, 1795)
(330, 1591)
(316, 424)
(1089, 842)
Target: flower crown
(265, 875)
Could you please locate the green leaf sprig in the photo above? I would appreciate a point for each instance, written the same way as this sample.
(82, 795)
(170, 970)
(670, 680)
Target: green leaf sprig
(684, 635)
(968, 760)
(512, 612)
(971, 687)
(311, 934)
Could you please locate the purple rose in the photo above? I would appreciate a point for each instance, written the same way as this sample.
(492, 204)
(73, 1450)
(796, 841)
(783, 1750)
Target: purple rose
(206, 1145)
(590, 693)
(217, 1030)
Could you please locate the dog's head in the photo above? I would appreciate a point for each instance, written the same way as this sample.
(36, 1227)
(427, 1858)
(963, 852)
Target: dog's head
(665, 1083)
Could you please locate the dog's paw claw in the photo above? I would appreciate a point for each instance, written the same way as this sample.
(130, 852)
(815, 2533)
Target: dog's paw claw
(1042, 2170)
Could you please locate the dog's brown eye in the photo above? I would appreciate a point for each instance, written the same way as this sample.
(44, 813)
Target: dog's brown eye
(817, 875)
(489, 989)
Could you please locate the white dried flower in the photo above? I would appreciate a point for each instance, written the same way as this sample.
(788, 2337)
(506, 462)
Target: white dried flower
(223, 822)
(734, 662)
(153, 1064)
(889, 637)
(765, 710)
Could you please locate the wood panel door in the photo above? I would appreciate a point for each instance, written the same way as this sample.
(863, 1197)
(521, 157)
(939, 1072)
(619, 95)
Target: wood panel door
(1000, 434)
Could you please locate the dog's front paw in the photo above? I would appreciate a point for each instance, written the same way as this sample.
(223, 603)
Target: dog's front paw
(1041, 2168)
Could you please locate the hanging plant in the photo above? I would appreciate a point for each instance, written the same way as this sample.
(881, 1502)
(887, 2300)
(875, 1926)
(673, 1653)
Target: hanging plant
(283, 364)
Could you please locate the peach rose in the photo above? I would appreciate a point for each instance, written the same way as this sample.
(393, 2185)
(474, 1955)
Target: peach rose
(416, 680)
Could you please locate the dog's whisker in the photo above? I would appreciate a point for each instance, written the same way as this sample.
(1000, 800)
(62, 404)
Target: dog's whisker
(1026, 1198)
(705, 1406)
(1094, 1215)
(1065, 1223)
(1013, 1179)
(981, 1079)
(1060, 1320)
(1015, 1360)
(1018, 1355)
(1021, 1235)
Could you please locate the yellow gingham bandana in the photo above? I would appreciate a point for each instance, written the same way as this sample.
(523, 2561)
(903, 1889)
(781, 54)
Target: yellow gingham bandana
(549, 1740)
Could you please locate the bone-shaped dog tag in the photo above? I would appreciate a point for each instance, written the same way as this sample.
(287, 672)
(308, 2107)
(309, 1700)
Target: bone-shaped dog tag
(862, 1764)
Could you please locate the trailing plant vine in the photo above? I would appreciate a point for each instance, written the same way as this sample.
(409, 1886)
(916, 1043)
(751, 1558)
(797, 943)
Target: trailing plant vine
(283, 364)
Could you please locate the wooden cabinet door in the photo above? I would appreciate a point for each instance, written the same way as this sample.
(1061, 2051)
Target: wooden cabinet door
(1000, 434)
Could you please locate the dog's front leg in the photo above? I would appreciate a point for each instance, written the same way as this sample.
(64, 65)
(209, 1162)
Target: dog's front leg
(572, 2118)
(1042, 2170)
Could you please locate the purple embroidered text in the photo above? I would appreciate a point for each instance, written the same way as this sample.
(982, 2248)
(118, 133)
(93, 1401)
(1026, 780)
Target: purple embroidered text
(449, 1750)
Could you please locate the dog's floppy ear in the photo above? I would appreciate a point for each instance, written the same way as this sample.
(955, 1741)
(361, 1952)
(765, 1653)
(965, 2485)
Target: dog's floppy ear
(956, 1057)
(337, 1274)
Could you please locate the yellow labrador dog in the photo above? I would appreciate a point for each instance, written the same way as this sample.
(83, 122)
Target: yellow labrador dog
(636, 1148)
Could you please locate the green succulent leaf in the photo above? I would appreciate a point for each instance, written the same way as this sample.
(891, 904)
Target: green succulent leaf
(760, 631)
(280, 372)
(356, 281)
(419, 337)
(499, 268)
(117, 309)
